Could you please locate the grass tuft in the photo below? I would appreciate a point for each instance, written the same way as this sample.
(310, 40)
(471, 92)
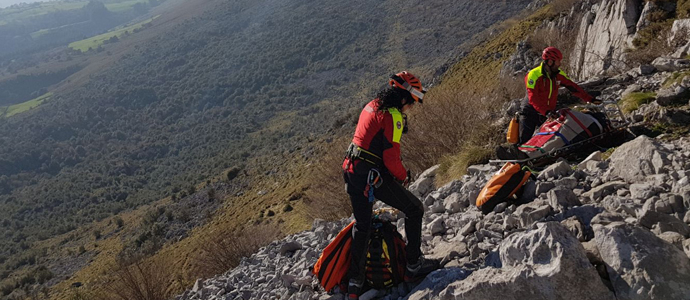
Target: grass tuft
(632, 101)
(455, 166)
(676, 77)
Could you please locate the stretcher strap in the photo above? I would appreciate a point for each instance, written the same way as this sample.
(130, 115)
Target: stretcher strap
(558, 134)
(579, 123)
(533, 147)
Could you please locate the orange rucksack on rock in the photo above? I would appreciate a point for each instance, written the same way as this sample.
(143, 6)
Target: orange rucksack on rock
(334, 261)
(502, 185)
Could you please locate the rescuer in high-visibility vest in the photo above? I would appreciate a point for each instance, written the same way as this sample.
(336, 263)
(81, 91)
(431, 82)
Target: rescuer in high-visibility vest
(542, 85)
(373, 170)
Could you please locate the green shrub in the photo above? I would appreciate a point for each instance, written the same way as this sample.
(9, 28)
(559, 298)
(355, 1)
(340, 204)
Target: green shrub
(119, 222)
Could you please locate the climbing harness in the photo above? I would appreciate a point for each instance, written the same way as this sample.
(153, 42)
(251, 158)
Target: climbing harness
(374, 181)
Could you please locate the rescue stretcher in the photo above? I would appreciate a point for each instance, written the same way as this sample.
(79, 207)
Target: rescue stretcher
(616, 124)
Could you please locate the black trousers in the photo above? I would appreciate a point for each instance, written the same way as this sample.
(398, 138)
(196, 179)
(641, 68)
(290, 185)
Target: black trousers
(530, 118)
(391, 193)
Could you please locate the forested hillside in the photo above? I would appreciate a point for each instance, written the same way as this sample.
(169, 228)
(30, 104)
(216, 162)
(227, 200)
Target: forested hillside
(249, 85)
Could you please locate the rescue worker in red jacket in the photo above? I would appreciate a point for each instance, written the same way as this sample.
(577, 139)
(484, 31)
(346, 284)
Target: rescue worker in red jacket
(542, 85)
(373, 170)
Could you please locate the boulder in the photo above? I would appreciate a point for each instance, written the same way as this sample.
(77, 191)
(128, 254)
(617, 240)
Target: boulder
(480, 169)
(643, 190)
(667, 64)
(559, 169)
(436, 282)
(601, 191)
(425, 183)
(437, 226)
(455, 202)
(641, 265)
(575, 227)
(608, 217)
(664, 222)
(454, 186)
(671, 95)
(673, 238)
(543, 187)
(594, 157)
(446, 251)
(585, 213)
(562, 197)
(532, 212)
(636, 159)
(544, 263)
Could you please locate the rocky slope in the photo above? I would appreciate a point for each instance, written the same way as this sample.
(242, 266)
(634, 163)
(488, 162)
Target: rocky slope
(614, 228)
(602, 228)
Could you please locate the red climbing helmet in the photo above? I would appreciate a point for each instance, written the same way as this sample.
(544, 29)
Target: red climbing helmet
(406, 81)
(551, 53)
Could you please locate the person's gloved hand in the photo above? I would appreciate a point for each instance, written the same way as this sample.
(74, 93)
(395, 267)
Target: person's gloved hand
(407, 180)
(595, 101)
(551, 114)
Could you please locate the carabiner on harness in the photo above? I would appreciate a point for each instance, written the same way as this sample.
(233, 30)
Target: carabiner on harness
(374, 181)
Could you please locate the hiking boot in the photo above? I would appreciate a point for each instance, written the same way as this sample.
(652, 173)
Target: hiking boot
(420, 269)
(354, 288)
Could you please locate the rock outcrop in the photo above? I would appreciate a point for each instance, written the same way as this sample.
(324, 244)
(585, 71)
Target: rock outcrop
(587, 234)
(606, 30)
(642, 265)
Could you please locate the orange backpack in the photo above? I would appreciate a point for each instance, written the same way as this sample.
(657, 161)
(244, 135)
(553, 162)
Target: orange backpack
(334, 261)
(502, 185)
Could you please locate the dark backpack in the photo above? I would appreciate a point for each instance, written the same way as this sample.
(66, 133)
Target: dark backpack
(386, 262)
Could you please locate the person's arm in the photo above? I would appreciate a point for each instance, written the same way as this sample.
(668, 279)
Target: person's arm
(391, 154)
(573, 87)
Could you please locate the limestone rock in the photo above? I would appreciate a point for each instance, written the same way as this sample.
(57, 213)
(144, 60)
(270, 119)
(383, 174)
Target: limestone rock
(291, 246)
(595, 52)
(641, 265)
(562, 197)
(594, 157)
(559, 169)
(667, 64)
(664, 222)
(601, 191)
(545, 263)
(532, 212)
(425, 183)
(633, 160)
(673, 238)
(671, 95)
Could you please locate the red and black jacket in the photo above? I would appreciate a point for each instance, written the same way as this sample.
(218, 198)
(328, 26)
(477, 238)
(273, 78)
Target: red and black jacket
(378, 132)
(542, 90)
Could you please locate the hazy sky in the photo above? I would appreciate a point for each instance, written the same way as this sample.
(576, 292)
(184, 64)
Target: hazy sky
(6, 3)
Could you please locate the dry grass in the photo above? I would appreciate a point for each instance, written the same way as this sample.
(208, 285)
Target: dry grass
(140, 280)
(455, 166)
(328, 199)
(455, 124)
(222, 251)
(632, 101)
